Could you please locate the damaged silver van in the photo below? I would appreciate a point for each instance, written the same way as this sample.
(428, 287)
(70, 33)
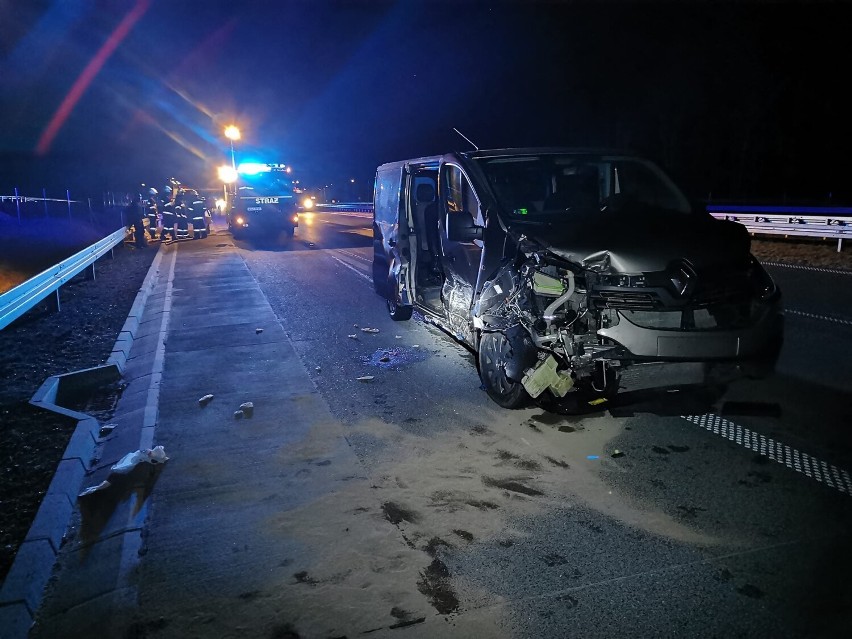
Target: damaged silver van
(561, 268)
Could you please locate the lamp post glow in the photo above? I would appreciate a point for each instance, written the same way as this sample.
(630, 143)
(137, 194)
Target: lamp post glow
(228, 175)
(232, 133)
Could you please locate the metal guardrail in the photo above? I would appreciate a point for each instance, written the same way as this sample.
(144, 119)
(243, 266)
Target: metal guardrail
(17, 301)
(346, 207)
(801, 221)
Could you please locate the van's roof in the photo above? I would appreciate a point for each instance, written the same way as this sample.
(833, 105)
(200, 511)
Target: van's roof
(495, 153)
(550, 150)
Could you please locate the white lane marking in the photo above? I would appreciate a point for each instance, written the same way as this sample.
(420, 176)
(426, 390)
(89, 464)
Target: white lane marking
(821, 471)
(353, 269)
(357, 257)
(153, 400)
(809, 268)
(824, 318)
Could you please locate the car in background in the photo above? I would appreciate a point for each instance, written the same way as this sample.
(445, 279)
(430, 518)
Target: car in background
(562, 268)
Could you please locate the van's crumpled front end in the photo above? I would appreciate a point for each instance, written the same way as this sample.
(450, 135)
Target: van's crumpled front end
(570, 326)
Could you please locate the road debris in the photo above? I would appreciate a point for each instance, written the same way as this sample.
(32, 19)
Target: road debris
(617, 453)
(398, 336)
(384, 358)
(593, 457)
(238, 414)
(127, 463)
(203, 401)
(106, 429)
(369, 330)
(364, 378)
(93, 489)
(258, 330)
(247, 408)
(352, 336)
(318, 369)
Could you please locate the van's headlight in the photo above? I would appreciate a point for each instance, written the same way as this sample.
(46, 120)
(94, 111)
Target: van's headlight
(308, 203)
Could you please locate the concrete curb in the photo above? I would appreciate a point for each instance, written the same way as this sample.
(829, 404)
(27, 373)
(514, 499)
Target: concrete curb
(23, 588)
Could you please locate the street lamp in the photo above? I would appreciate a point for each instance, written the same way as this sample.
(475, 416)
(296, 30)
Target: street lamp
(232, 133)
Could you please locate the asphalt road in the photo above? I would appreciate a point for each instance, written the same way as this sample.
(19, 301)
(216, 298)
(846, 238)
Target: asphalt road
(697, 511)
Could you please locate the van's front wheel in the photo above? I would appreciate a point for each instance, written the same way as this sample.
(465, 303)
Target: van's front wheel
(493, 351)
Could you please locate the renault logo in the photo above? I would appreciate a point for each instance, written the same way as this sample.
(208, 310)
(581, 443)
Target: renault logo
(684, 279)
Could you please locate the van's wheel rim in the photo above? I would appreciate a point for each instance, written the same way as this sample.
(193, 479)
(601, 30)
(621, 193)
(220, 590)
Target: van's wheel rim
(494, 350)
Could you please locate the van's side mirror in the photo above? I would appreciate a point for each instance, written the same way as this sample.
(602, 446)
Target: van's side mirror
(461, 227)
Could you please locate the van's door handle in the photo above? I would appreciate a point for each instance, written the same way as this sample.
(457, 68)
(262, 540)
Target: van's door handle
(391, 242)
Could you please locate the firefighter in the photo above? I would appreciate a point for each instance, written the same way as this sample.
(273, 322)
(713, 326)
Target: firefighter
(181, 216)
(152, 212)
(167, 210)
(134, 215)
(199, 223)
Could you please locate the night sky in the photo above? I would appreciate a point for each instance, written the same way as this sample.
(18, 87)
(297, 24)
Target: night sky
(742, 100)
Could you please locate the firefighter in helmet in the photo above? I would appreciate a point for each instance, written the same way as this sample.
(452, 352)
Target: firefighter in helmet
(181, 215)
(167, 210)
(152, 211)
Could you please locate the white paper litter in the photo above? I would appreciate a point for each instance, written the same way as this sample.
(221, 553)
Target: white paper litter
(364, 378)
(130, 461)
(93, 489)
(369, 330)
(203, 401)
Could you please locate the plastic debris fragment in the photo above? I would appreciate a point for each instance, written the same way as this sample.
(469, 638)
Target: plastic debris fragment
(365, 378)
(247, 408)
(127, 463)
(617, 453)
(318, 369)
(592, 456)
(398, 336)
(258, 330)
(369, 330)
(352, 336)
(93, 489)
(203, 401)
(106, 429)
(238, 414)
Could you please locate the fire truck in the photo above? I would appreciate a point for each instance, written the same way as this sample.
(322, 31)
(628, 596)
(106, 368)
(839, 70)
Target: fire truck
(264, 201)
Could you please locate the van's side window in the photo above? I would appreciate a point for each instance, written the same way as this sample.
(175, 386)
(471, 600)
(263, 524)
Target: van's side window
(459, 194)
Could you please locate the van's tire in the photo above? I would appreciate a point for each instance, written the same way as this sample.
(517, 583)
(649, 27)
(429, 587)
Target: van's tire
(399, 313)
(492, 352)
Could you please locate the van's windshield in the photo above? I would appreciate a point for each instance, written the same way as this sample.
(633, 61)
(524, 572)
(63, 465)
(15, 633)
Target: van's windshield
(563, 186)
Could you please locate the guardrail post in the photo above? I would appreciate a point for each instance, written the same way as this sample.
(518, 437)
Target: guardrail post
(18, 204)
(53, 301)
(839, 244)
